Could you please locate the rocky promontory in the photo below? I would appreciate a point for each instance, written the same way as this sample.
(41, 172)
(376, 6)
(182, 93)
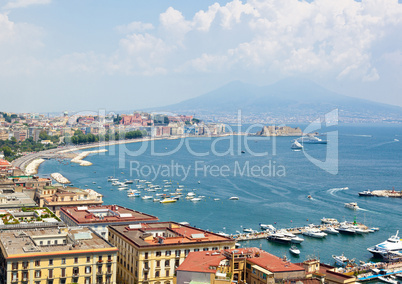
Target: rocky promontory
(280, 131)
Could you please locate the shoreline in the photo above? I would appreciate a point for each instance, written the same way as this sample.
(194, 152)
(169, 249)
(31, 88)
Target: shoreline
(70, 149)
(80, 157)
(32, 168)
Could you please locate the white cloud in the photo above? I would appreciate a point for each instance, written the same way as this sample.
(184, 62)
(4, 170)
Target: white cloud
(134, 27)
(25, 3)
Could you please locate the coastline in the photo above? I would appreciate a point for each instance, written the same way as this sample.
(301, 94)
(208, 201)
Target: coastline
(67, 153)
(79, 159)
(33, 166)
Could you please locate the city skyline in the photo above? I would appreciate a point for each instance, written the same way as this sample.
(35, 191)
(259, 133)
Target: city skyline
(87, 55)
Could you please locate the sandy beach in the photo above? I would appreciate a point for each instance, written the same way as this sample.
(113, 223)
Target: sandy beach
(33, 166)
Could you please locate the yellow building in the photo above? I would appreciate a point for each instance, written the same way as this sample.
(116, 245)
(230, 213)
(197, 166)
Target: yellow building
(150, 253)
(56, 256)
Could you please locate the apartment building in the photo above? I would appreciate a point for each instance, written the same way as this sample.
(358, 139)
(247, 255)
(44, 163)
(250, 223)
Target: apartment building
(150, 253)
(50, 256)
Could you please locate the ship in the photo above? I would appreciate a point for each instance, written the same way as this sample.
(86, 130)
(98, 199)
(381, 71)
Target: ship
(393, 245)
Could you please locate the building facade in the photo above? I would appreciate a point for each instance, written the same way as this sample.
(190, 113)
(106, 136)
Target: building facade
(50, 256)
(150, 253)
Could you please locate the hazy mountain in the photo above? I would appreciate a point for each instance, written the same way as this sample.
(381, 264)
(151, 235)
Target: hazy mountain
(288, 97)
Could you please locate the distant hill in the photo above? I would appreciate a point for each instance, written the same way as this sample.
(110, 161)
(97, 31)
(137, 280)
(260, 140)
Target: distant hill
(288, 97)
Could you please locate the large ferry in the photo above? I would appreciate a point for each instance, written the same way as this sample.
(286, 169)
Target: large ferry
(391, 246)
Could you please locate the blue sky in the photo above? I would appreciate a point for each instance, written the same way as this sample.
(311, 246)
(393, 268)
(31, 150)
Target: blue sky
(85, 55)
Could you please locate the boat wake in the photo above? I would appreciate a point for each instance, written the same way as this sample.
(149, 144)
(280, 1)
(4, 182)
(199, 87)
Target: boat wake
(332, 191)
(384, 143)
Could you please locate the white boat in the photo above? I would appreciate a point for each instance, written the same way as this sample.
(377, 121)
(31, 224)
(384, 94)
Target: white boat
(296, 145)
(216, 199)
(330, 221)
(346, 229)
(279, 238)
(122, 188)
(311, 140)
(366, 193)
(223, 234)
(392, 245)
(94, 182)
(352, 205)
(267, 227)
(361, 231)
(293, 238)
(330, 230)
(129, 182)
(133, 194)
(388, 280)
(195, 199)
(191, 194)
(248, 230)
(146, 197)
(294, 250)
(314, 233)
(156, 200)
(341, 260)
(234, 198)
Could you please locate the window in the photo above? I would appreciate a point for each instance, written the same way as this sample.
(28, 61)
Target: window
(196, 249)
(226, 248)
(25, 265)
(88, 259)
(55, 242)
(76, 271)
(50, 275)
(236, 265)
(168, 252)
(167, 273)
(63, 261)
(63, 272)
(87, 269)
(41, 242)
(167, 263)
(158, 253)
(146, 255)
(50, 261)
(158, 263)
(109, 258)
(145, 276)
(62, 281)
(15, 265)
(37, 273)
(146, 265)
(157, 274)
(75, 259)
(186, 252)
(48, 242)
(24, 276)
(215, 248)
(177, 263)
(100, 258)
(87, 280)
(100, 269)
(37, 262)
(205, 249)
(14, 276)
(177, 253)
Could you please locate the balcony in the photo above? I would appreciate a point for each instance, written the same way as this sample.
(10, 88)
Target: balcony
(76, 274)
(99, 273)
(146, 268)
(50, 277)
(109, 260)
(109, 272)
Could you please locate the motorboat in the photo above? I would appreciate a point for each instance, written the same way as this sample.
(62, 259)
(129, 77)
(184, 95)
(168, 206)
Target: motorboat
(279, 238)
(249, 230)
(129, 182)
(191, 194)
(267, 227)
(330, 230)
(234, 198)
(392, 245)
(330, 221)
(296, 145)
(168, 200)
(311, 140)
(341, 260)
(361, 231)
(133, 194)
(146, 197)
(157, 199)
(294, 250)
(293, 238)
(352, 205)
(314, 233)
(366, 193)
(388, 279)
(216, 199)
(223, 234)
(346, 229)
(196, 199)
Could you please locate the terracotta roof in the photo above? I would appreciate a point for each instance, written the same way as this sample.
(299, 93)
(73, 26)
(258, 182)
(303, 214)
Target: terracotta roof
(87, 215)
(201, 261)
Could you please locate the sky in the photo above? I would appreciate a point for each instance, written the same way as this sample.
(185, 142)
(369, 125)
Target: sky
(116, 55)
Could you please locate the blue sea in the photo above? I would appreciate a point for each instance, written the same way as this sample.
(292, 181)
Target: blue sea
(271, 181)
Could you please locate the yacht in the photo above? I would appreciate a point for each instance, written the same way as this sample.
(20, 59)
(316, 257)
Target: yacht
(168, 200)
(234, 198)
(346, 229)
(216, 199)
(294, 250)
(361, 231)
(352, 205)
(341, 260)
(293, 238)
(330, 230)
(311, 140)
(296, 145)
(391, 245)
(195, 199)
(330, 221)
(366, 193)
(249, 230)
(388, 280)
(267, 227)
(314, 233)
(279, 238)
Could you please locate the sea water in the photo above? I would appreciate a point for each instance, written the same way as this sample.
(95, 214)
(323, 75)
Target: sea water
(271, 181)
